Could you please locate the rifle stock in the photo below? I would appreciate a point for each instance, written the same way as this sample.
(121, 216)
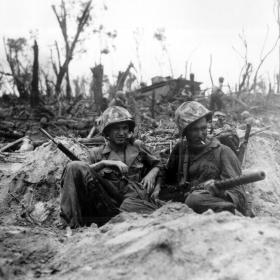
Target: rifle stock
(243, 146)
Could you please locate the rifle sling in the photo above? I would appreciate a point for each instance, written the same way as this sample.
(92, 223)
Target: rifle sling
(183, 166)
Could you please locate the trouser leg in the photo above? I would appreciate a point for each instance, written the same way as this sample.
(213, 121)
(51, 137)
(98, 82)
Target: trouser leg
(81, 201)
(138, 205)
(202, 201)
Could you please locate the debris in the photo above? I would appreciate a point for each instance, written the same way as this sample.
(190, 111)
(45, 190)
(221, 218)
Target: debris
(10, 145)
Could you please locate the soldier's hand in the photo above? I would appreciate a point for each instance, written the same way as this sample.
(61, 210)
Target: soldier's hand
(149, 182)
(210, 186)
(122, 167)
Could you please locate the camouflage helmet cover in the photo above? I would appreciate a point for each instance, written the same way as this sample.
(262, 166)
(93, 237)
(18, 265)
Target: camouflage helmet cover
(115, 114)
(218, 114)
(189, 112)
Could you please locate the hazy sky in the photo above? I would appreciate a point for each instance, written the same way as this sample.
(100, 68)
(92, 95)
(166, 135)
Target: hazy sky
(194, 30)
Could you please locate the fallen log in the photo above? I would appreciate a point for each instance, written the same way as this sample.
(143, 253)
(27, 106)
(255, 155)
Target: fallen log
(10, 145)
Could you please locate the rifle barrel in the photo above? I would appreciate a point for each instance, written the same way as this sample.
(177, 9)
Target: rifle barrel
(47, 134)
(240, 180)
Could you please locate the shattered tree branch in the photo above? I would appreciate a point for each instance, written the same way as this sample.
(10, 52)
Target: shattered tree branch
(82, 20)
(210, 70)
(261, 62)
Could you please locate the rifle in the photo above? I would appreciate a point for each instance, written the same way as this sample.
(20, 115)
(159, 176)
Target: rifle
(108, 186)
(236, 181)
(243, 146)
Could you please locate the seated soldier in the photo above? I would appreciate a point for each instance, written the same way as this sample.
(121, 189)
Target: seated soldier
(198, 161)
(126, 165)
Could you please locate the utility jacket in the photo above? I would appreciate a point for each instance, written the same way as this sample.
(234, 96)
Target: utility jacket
(137, 157)
(216, 161)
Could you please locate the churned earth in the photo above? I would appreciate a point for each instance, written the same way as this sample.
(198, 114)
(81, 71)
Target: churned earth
(171, 243)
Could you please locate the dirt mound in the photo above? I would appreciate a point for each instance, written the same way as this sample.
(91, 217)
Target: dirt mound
(33, 179)
(173, 243)
(264, 154)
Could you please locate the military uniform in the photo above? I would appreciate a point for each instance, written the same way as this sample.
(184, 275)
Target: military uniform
(80, 199)
(86, 199)
(217, 162)
(194, 165)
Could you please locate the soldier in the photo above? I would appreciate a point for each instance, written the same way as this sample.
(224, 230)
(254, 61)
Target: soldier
(216, 102)
(198, 161)
(118, 100)
(126, 165)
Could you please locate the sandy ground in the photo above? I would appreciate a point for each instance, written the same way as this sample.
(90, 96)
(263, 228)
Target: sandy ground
(172, 243)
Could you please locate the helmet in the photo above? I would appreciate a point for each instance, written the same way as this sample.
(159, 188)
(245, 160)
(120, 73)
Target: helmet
(219, 114)
(115, 114)
(245, 114)
(189, 112)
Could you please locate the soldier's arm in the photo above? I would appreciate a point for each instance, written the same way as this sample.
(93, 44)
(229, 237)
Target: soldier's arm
(230, 164)
(231, 168)
(122, 167)
(97, 163)
(152, 163)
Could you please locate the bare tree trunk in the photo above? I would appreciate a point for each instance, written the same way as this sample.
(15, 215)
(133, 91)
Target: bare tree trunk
(122, 77)
(245, 76)
(83, 19)
(192, 84)
(253, 87)
(18, 81)
(97, 81)
(34, 97)
(278, 22)
(210, 70)
(68, 85)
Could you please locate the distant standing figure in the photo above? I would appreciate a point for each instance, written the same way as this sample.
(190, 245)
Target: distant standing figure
(216, 102)
(118, 100)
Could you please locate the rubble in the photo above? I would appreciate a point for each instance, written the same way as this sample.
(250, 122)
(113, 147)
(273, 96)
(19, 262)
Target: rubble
(172, 243)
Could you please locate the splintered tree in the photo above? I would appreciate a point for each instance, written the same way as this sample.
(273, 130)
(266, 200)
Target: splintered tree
(96, 86)
(34, 97)
(249, 75)
(82, 20)
(15, 55)
(246, 69)
(277, 12)
(122, 77)
(106, 46)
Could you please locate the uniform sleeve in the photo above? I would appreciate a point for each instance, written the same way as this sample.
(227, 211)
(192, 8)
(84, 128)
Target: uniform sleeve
(231, 168)
(95, 155)
(230, 164)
